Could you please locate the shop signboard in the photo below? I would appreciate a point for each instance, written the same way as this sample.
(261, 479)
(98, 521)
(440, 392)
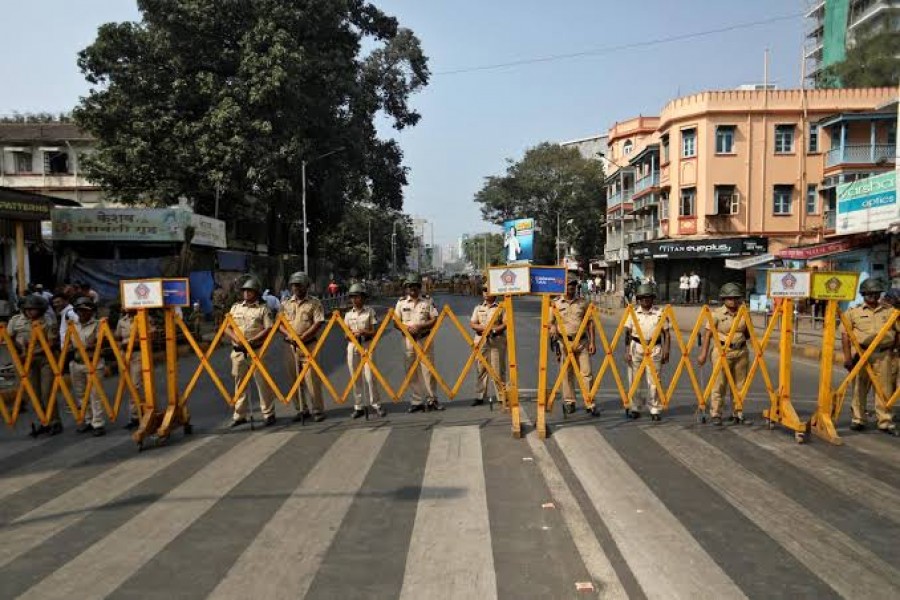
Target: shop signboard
(135, 225)
(835, 285)
(868, 204)
(704, 248)
(788, 284)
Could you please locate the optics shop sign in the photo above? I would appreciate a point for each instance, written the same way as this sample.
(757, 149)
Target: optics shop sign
(708, 248)
(867, 204)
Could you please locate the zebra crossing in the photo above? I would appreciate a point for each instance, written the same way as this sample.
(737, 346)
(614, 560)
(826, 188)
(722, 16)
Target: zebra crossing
(450, 507)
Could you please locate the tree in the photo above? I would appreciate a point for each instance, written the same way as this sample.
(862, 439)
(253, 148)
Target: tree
(484, 247)
(346, 244)
(874, 61)
(207, 99)
(550, 183)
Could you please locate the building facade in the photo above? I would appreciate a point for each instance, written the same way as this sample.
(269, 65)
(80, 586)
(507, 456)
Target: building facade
(592, 147)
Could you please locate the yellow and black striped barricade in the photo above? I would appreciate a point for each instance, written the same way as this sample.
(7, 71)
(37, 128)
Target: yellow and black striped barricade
(831, 399)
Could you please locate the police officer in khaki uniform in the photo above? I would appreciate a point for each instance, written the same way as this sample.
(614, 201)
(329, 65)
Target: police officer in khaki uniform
(494, 348)
(737, 355)
(362, 321)
(418, 313)
(34, 315)
(306, 316)
(87, 328)
(648, 319)
(253, 319)
(572, 311)
(866, 320)
(123, 333)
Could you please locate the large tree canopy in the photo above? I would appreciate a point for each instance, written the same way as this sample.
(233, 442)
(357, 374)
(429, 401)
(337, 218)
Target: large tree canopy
(226, 98)
(550, 183)
(873, 61)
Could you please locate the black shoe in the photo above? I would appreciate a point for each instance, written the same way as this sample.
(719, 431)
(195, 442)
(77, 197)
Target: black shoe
(857, 426)
(890, 431)
(357, 413)
(433, 405)
(717, 421)
(414, 408)
(655, 417)
(569, 408)
(239, 421)
(382, 411)
(477, 401)
(634, 414)
(319, 417)
(301, 416)
(56, 428)
(133, 424)
(592, 410)
(84, 428)
(269, 421)
(98, 431)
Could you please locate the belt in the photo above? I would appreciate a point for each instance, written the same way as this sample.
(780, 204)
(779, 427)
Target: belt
(362, 338)
(738, 345)
(421, 336)
(639, 341)
(291, 342)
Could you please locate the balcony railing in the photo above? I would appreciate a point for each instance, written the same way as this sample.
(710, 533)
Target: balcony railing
(648, 201)
(648, 181)
(618, 198)
(860, 154)
(643, 235)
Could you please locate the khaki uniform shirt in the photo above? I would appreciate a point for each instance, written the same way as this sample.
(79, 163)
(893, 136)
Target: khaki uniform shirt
(416, 312)
(20, 330)
(303, 314)
(251, 318)
(723, 320)
(87, 332)
(648, 320)
(482, 316)
(123, 332)
(361, 320)
(572, 312)
(867, 322)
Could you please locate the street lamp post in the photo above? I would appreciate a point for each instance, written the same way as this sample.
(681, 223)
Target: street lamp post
(394, 247)
(303, 196)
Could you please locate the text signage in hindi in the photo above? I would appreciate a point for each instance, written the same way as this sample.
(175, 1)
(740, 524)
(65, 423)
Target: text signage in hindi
(136, 225)
(788, 284)
(509, 280)
(835, 285)
(141, 293)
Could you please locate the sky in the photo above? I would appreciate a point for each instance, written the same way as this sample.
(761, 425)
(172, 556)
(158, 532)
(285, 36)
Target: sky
(474, 118)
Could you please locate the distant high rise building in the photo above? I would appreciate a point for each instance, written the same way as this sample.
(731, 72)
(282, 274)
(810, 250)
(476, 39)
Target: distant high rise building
(590, 147)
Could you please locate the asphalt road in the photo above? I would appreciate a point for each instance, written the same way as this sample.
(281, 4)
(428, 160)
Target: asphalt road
(449, 505)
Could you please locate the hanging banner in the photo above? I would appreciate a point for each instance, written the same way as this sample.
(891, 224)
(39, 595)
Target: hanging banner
(518, 240)
(835, 285)
(788, 284)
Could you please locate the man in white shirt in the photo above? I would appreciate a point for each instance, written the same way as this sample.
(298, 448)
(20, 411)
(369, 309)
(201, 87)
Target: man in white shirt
(684, 285)
(65, 314)
(271, 302)
(694, 283)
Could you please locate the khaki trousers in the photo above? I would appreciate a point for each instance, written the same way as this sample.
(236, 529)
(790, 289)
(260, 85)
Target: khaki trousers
(421, 385)
(739, 363)
(78, 373)
(309, 394)
(637, 356)
(41, 377)
(583, 360)
(494, 351)
(353, 359)
(240, 364)
(137, 377)
(885, 366)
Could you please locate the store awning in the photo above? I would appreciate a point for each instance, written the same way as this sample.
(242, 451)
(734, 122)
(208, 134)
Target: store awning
(750, 261)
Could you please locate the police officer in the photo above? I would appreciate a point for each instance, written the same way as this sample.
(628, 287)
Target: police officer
(572, 311)
(737, 355)
(418, 313)
(34, 315)
(123, 333)
(494, 348)
(306, 317)
(648, 318)
(362, 322)
(866, 320)
(86, 329)
(254, 321)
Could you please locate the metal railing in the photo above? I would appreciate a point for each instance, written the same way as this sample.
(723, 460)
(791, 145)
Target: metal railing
(860, 153)
(647, 181)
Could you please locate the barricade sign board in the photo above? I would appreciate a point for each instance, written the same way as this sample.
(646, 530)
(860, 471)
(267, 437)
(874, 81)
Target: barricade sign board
(176, 292)
(508, 280)
(788, 284)
(141, 293)
(548, 280)
(835, 285)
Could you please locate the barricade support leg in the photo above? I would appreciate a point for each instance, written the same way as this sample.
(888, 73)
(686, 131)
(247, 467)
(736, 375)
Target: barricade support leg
(822, 422)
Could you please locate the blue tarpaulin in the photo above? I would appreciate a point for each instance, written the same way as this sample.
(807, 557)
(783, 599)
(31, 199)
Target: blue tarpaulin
(104, 275)
(201, 290)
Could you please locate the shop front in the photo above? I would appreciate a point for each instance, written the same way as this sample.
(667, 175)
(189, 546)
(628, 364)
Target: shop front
(668, 260)
(21, 214)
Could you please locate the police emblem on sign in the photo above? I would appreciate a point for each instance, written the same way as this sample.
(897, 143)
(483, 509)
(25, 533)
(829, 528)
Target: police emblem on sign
(789, 282)
(508, 277)
(142, 291)
(833, 285)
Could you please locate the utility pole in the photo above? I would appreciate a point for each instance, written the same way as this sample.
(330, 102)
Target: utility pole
(303, 164)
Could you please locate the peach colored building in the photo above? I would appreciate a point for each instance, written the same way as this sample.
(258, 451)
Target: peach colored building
(739, 174)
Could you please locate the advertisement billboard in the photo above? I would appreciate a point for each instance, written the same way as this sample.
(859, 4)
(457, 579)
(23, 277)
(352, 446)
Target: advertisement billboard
(548, 280)
(518, 240)
(867, 204)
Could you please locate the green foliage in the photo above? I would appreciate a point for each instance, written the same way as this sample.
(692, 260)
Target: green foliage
(873, 61)
(229, 95)
(346, 244)
(484, 246)
(549, 182)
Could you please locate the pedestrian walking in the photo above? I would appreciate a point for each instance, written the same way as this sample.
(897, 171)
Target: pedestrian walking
(694, 288)
(306, 317)
(252, 318)
(684, 286)
(866, 320)
(572, 311)
(418, 314)
(647, 318)
(86, 329)
(494, 348)
(737, 355)
(362, 322)
(35, 316)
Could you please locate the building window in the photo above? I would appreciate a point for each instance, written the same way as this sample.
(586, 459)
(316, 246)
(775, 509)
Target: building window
(784, 139)
(627, 147)
(688, 143)
(781, 199)
(664, 206)
(813, 144)
(812, 199)
(726, 200)
(664, 148)
(892, 134)
(688, 205)
(725, 139)
(22, 162)
(56, 163)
